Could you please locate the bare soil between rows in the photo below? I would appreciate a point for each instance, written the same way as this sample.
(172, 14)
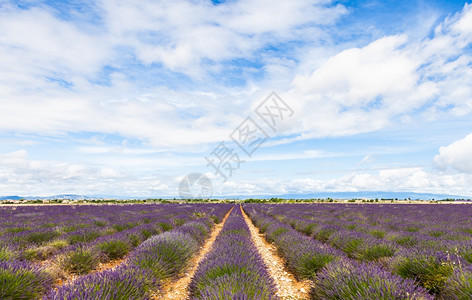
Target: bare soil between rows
(288, 287)
(178, 290)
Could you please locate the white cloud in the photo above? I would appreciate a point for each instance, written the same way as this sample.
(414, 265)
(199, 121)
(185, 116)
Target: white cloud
(108, 173)
(34, 45)
(393, 78)
(414, 179)
(356, 76)
(296, 155)
(61, 76)
(456, 155)
(20, 175)
(50, 66)
(356, 90)
(15, 159)
(188, 32)
(25, 177)
(18, 170)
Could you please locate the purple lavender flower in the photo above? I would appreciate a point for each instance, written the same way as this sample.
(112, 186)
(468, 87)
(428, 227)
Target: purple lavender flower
(350, 280)
(121, 284)
(21, 280)
(459, 286)
(233, 269)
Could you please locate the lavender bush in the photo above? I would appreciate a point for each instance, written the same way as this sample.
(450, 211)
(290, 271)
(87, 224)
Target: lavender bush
(120, 284)
(114, 248)
(159, 257)
(164, 255)
(304, 256)
(459, 286)
(233, 269)
(399, 247)
(21, 280)
(81, 260)
(425, 243)
(431, 269)
(350, 280)
(7, 253)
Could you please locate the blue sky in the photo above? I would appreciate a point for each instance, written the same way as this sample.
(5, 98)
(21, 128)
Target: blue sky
(127, 97)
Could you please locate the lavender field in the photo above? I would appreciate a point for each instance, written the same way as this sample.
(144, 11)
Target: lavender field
(374, 251)
(61, 252)
(142, 251)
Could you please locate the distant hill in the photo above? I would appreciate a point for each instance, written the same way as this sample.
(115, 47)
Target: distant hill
(357, 195)
(64, 196)
(322, 195)
(68, 197)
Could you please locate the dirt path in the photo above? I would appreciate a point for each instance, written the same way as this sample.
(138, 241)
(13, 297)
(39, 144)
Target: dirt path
(71, 277)
(288, 287)
(178, 290)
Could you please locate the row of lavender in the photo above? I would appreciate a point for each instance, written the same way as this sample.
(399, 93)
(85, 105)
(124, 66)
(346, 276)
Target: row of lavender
(347, 263)
(429, 243)
(160, 257)
(428, 227)
(37, 233)
(233, 269)
(121, 229)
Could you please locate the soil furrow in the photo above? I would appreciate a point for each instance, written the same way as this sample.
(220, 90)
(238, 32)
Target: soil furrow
(173, 289)
(287, 285)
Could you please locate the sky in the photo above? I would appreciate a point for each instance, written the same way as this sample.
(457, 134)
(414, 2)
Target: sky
(127, 98)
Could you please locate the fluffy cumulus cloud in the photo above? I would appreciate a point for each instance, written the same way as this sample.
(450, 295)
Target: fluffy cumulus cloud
(191, 37)
(179, 76)
(21, 175)
(61, 75)
(183, 34)
(18, 163)
(359, 88)
(456, 156)
(416, 180)
(132, 70)
(392, 78)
